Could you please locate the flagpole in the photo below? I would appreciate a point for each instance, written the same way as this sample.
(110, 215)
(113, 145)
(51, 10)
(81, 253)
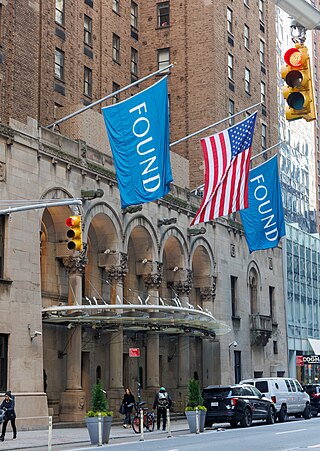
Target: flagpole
(266, 150)
(213, 125)
(91, 105)
(252, 158)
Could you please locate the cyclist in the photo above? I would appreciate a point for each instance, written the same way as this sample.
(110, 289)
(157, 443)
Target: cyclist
(162, 402)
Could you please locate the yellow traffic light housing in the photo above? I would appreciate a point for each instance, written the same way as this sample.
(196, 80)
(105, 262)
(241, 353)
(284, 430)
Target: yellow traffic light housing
(299, 90)
(74, 233)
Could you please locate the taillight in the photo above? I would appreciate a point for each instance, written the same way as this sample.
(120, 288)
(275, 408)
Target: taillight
(274, 399)
(234, 401)
(315, 395)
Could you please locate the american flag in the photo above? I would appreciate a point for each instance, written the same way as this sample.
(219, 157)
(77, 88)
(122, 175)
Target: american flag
(227, 160)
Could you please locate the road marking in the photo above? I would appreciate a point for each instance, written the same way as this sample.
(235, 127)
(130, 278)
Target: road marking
(314, 446)
(289, 432)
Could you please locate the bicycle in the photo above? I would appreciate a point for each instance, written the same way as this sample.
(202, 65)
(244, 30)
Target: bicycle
(148, 418)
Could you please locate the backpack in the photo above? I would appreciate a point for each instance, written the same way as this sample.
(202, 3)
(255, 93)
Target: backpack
(163, 400)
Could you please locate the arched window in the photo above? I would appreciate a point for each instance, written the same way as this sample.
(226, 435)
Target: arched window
(98, 374)
(253, 283)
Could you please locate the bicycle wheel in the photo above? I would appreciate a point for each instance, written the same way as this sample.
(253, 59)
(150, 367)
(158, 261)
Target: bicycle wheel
(150, 422)
(136, 425)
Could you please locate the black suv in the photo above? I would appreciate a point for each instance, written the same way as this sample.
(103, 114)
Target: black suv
(237, 403)
(313, 391)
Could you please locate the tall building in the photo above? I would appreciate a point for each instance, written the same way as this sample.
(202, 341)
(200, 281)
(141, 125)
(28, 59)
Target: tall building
(183, 296)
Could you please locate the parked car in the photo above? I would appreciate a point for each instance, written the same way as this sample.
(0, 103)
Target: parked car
(237, 404)
(287, 394)
(313, 391)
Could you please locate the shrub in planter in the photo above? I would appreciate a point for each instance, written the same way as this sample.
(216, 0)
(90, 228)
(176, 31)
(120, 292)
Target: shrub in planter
(99, 407)
(195, 401)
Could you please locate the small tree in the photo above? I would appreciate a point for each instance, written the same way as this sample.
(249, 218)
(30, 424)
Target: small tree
(194, 394)
(99, 402)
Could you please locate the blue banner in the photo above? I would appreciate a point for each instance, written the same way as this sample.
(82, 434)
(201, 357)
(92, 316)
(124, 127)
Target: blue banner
(263, 221)
(138, 131)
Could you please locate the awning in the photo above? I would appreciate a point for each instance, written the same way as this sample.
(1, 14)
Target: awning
(315, 344)
(135, 317)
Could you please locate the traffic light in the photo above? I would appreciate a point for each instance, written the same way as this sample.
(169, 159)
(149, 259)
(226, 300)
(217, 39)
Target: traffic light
(74, 233)
(299, 90)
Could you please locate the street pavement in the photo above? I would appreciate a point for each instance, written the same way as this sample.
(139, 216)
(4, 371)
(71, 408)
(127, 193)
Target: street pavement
(76, 436)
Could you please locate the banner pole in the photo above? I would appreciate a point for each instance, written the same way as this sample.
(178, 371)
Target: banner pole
(252, 158)
(266, 150)
(213, 125)
(91, 105)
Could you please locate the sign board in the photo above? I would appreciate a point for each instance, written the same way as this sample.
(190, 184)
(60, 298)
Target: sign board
(307, 359)
(134, 352)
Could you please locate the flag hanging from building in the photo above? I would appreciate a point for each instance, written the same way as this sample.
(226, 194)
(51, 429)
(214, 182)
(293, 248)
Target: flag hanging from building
(263, 221)
(227, 159)
(138, 131)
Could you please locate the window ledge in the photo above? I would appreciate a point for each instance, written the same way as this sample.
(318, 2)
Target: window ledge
(236, 318)
(163, 26)
(6, 281)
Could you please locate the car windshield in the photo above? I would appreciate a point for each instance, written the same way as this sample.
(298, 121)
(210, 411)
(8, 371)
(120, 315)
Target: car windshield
(218, 392)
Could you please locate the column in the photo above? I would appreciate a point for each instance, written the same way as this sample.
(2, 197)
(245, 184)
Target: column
(183, 289)
(209, 357)
(72, 400)
(153, 282)
(116, 275)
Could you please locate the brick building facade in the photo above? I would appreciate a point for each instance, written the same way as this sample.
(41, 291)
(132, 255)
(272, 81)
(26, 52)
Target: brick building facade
(56, 58)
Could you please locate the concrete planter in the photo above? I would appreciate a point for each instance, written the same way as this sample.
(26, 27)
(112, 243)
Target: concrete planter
(93, 429)
(191, 418)
(203, 414)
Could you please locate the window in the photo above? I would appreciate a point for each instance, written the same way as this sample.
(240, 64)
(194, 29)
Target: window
(233, 281)
(229, 20)
(263, 136)
(59, 64)
(87, 30)
(116, 48)
(116, 6)
(163, 13)
(3, 361)
(246, 2)
(237, 366)
(2, 232)
(230, 66)
(246, 36)
(262, 52)
(163, 58)
(115, 98)
(134, 15)
(134, 64)
(231, 112)
(271, 302)
(275, 347)
(263, 92)
(60, 12)
(247, 80)
(87, 88)
(261, 10)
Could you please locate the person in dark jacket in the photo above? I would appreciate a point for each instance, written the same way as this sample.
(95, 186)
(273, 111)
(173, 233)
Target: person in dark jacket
(162, 402)
(7, 406)
(128, 399)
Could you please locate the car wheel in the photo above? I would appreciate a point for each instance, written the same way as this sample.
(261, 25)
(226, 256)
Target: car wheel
(247, 418)
(315, 414)
(233, 423)
(307, 412)
(283, 414)
(271, 418)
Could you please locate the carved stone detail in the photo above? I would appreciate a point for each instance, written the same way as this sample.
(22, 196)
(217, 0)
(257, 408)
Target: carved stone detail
(75, 264)
(184, 287)
(118, 272)
(209, 293)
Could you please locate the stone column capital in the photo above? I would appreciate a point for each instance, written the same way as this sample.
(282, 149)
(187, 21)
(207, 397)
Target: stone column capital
(75, 264)
(183, 287)
(154, 280)
(209, 293)
(118, 272)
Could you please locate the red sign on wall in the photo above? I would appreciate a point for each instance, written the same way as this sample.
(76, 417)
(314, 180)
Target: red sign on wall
(134, 352)
(299, 360)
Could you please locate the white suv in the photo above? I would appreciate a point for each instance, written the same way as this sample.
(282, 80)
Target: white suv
(286, 393)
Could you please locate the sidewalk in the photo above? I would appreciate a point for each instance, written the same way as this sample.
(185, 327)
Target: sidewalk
(79, 435)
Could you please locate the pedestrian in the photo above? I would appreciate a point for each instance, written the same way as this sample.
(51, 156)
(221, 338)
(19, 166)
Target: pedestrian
(7, 406)
(127, 402)
(162, 402)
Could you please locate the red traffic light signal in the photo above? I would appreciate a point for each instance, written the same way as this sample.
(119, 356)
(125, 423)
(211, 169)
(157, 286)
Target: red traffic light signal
(74, 233)
(299, 91)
